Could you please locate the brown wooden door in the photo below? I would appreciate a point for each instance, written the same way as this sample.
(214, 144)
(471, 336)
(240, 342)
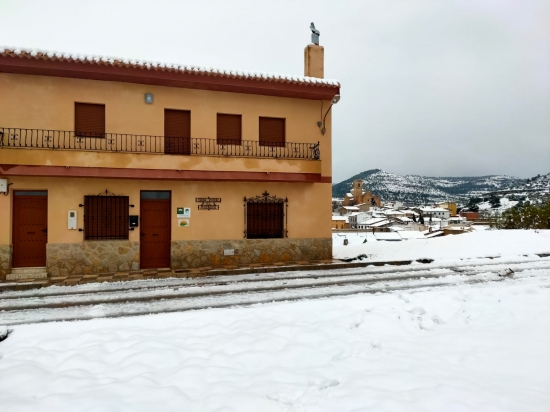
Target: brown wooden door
(30, 228)
(155, 230)
(177, 131)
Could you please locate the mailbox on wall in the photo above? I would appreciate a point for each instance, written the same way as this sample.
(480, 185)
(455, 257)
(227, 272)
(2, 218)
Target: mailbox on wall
(134, 220)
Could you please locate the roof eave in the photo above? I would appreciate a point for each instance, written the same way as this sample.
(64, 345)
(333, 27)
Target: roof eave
(160, 77)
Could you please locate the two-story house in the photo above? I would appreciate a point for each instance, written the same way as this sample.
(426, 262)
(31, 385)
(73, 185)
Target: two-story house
(117, 165)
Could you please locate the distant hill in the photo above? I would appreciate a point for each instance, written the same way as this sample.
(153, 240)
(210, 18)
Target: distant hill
(424, 190)
(533, 190)
(539, 184)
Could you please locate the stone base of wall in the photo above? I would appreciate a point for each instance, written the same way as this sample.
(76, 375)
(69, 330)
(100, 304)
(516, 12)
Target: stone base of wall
(5, 261)
(198, 253)
(91, 257)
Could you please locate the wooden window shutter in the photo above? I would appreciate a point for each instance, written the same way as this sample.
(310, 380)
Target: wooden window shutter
(177, 131)
(272, 131)
(229, 129)
(89, 120)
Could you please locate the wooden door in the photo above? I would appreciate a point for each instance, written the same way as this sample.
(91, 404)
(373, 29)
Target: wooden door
(30, 228)
(155, 231)
(177, 131)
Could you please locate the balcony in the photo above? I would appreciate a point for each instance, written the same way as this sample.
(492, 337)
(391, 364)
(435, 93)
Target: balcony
(130, 143)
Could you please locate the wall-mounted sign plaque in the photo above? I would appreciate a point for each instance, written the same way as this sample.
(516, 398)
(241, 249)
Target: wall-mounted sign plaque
(183, 222)
(183, 212)
(208, 203)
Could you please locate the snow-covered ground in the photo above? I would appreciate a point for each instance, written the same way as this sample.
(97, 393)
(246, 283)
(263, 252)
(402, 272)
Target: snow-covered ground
(413, 338)
(482, 347)
(455, 248)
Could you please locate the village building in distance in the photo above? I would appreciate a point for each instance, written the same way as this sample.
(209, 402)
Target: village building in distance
(122, 165)
(359, 197)
(361, 210)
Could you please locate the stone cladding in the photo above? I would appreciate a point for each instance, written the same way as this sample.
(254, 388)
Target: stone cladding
(198, 253)
(110, 256)
(90, 257)
(5, 261)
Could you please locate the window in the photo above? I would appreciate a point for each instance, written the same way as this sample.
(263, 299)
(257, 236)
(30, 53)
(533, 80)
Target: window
(177, 131)
(229, 130)
(106, 217)
(264, 220)
(265, 217)
(155, 195)
(272, 131)
(89, 120)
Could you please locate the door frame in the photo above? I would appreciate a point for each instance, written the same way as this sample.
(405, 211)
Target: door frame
(13, 226)
(169, 226)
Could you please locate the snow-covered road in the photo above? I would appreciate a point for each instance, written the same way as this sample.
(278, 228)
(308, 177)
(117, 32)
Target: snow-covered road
(464, 347)
(171, 295)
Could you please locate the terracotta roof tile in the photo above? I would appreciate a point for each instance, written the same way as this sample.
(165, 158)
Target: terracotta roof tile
(168, 67)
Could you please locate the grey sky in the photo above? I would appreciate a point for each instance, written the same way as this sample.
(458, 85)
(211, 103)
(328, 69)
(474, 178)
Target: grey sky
(436, 88)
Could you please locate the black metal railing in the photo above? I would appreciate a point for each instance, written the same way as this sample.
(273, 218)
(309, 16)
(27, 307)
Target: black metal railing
(132, 143)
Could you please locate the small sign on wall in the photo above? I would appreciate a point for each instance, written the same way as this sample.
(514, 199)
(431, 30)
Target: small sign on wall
(183, 222)
(208, 203)
(183, 212)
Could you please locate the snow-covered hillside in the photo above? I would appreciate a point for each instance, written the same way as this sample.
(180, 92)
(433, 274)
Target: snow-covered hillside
(538, 183)
(420, 189)
(533, 190)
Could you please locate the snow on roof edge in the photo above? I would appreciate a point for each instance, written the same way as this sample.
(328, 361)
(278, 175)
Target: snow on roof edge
(150, 65)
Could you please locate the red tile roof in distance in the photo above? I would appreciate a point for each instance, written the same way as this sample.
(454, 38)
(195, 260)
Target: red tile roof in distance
(59, 64)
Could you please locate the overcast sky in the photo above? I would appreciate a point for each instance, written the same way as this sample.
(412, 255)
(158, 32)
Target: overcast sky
(434, 88)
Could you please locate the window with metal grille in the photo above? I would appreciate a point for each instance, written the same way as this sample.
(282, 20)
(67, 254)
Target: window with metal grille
(272, 131)
(106, 217)
(265, 217)
(177, 131)
(89, 120)
(229, 129)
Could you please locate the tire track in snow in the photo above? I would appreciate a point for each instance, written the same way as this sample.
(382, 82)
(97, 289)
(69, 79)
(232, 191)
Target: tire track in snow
(255, 296)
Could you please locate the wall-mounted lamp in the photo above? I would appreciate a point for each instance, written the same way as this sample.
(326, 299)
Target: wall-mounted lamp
(149, 98)
(321, 124)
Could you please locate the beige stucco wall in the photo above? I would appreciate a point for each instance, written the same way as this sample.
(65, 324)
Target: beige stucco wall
(46, 157)
(64, 194)
(41, 102)
(5, 219)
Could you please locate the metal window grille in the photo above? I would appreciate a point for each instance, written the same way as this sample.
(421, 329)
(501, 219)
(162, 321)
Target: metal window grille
(266, 217)
(106, 216)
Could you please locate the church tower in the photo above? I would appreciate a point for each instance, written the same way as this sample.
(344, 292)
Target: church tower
(357, 191)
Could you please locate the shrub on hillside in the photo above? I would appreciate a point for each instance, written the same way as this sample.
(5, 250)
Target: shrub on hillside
(527, 216)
